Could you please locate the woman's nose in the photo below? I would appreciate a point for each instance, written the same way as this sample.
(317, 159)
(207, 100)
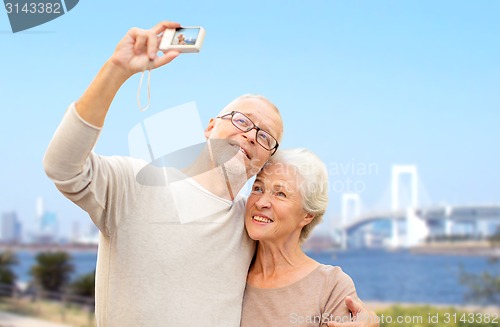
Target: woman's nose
(263, 202)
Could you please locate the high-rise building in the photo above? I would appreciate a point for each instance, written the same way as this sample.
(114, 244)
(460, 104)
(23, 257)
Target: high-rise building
(11, 228)
(48, 225)
(48, 228)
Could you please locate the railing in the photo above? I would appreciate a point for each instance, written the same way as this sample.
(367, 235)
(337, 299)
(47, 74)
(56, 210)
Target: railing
(63, 307)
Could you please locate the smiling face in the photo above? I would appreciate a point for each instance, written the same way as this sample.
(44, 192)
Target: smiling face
(274, 211)
(228, 143)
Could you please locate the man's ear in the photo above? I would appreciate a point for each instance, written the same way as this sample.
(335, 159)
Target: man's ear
(209, 128)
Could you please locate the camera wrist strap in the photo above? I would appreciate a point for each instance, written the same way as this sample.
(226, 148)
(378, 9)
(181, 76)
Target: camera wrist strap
(149, 69)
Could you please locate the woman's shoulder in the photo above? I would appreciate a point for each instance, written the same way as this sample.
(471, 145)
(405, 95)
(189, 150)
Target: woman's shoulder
(334, 274)
(329, 270)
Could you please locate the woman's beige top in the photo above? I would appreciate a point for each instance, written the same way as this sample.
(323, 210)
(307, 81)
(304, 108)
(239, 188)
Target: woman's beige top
(311, 301)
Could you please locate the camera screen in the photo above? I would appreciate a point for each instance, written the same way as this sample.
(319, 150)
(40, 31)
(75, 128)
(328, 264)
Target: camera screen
(185, 36)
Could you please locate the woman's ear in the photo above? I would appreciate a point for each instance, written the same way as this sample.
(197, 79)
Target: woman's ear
(209, 128)
(308, 218)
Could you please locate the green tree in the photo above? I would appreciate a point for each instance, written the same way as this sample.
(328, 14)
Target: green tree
(7, 260)
(485, 287)
(495, 238)
(84, 285)
(52, 270)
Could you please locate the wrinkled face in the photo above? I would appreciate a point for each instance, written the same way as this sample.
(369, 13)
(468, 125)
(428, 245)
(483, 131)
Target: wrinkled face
(228, 143)
(274, 210)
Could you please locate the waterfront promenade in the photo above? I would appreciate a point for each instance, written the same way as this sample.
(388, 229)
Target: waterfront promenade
(14, 320)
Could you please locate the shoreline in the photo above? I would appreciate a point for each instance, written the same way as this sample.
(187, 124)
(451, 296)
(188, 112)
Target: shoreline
(458, 248)
(48, 247)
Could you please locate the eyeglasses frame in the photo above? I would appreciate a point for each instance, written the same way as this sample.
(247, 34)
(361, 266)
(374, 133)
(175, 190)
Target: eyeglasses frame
(257, 129)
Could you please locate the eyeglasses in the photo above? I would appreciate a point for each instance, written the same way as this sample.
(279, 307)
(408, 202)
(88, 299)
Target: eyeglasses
(245, 124)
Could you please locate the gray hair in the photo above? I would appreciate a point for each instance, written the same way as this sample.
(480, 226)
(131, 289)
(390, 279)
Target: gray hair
(313, 183)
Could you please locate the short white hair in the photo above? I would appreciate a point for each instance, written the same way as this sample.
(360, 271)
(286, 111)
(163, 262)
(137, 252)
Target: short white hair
(313, 182)
(229, 107)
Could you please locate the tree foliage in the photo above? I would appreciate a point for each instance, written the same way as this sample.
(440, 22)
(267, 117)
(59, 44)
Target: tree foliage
(7, 260)
(84, 285)
(52, 270)
(485, 287)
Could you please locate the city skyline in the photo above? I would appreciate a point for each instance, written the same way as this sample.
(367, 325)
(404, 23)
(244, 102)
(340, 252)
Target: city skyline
(45, 228)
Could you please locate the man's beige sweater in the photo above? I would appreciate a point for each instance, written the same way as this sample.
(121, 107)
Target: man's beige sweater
(170, 252)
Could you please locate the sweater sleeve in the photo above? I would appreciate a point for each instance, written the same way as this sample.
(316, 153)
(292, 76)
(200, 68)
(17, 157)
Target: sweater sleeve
(341, 285)
(99, 185)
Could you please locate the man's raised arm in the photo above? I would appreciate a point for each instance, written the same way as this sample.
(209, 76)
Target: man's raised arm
(136, 52)
(74, 139)
(85, 178)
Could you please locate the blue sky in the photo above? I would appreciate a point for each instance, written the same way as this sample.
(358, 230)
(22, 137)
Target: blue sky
(359, 82)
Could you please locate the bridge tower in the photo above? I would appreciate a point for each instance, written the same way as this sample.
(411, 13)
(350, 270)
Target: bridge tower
(351, 208)
(416, 228)
(397, 171)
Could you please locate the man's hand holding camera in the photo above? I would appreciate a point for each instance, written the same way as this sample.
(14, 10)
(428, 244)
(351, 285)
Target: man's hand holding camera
(138, 50)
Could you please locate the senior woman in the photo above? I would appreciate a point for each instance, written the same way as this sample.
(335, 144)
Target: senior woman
(285, 287)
